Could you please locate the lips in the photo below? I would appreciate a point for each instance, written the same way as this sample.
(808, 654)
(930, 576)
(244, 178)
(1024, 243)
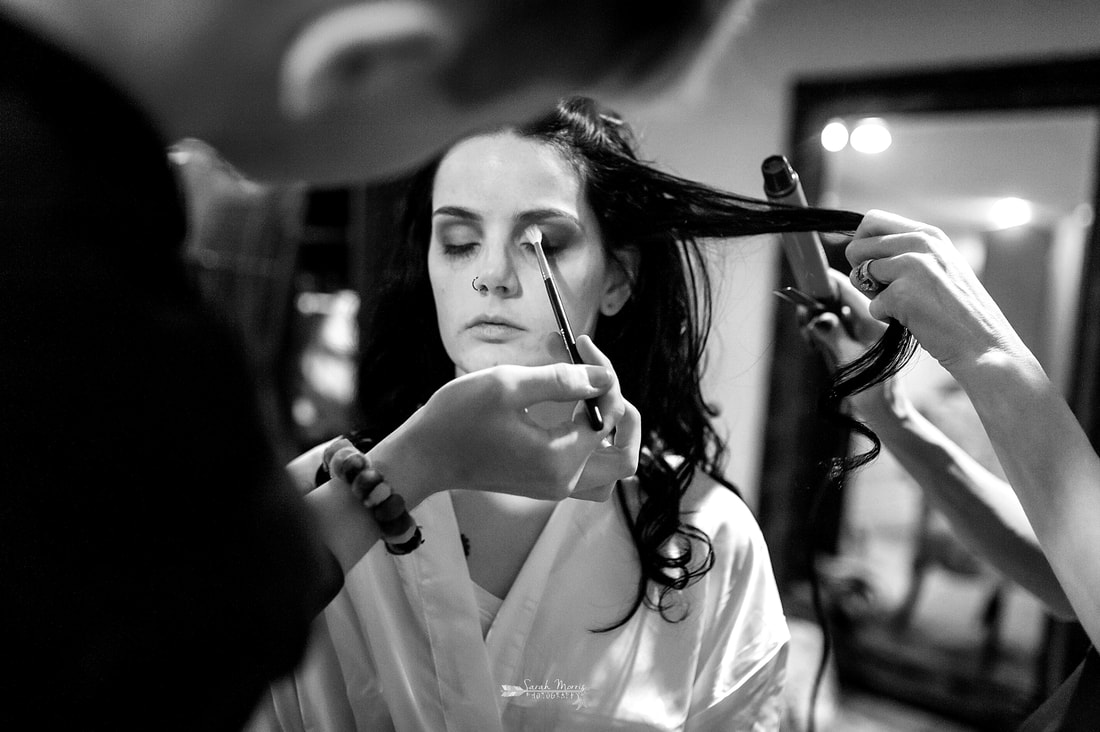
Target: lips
(494, 321)
(494, 329)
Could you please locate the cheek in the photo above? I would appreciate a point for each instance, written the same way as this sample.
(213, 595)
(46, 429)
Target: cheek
(447, 317)
(585, 306)
(443, 293)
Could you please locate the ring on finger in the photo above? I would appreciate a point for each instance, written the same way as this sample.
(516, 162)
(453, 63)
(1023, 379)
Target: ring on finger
(866, 281)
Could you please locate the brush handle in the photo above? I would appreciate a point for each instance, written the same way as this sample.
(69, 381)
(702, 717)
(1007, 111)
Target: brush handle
(591, 407)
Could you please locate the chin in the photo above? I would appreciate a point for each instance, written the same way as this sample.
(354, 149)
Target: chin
(482, 359)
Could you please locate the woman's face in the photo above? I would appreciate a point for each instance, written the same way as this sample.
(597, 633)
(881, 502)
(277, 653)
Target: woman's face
(487, 191)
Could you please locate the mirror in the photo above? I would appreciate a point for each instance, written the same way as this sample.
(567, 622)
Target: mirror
(922, 619)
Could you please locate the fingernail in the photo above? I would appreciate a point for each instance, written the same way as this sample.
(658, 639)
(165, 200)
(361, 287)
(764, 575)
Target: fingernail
(600, 378)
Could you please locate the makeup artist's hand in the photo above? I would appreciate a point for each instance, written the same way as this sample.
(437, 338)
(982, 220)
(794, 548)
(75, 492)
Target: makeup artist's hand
(475, 434)
(617, 456)
(927, 286)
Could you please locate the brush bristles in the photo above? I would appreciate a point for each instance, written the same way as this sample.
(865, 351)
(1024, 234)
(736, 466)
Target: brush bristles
(534, 235)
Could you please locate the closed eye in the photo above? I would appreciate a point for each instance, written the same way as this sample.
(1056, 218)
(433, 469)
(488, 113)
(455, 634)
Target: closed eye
(459, 251)
(551, 249)
(457, 231)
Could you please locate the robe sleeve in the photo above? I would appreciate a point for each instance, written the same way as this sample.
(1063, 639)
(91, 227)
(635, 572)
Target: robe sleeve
(742, 664)
(332, 689)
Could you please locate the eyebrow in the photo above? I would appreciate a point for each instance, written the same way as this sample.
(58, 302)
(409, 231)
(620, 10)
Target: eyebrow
(532, 216)
(456, 212)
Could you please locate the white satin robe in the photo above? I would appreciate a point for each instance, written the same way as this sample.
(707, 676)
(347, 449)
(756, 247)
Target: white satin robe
(401, 647)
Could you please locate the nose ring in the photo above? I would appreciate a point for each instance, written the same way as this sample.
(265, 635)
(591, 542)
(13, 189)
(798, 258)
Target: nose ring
(473, 284)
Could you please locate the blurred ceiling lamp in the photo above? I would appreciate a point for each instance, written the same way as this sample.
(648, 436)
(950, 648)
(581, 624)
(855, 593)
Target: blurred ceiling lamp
(834, 136)
(871, 136)
(1008, 212)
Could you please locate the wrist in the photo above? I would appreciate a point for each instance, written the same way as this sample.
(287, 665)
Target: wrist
(397, 458)
(884, 406)
(993, 370)
(371, 489)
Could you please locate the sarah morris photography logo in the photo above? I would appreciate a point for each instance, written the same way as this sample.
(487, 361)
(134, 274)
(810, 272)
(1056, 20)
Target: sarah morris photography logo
(548, 690)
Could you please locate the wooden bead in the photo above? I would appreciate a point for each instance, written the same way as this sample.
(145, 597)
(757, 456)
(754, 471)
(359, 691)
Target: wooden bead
(404, 537)
(377, 495)
(390, 508)
(347, 465)
(397, 526)
(333, 447)
(405, 547)
(365, 483)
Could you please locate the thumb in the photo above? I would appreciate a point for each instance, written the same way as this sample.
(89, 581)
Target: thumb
(823, 332)
(833, 341)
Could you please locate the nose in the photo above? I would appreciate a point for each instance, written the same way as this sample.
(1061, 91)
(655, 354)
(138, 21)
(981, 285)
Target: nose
(497, 270)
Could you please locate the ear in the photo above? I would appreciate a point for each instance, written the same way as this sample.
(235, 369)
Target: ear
(621, 275)
(362, 50)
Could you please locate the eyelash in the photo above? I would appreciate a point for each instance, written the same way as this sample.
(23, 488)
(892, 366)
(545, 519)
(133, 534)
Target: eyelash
(457, 251)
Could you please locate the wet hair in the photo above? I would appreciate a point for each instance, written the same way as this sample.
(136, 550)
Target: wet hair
(657, 340)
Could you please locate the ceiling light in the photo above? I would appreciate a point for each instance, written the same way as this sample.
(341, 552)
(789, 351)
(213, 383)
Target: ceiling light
(834, 137)
(1008, 212)
(871, 136)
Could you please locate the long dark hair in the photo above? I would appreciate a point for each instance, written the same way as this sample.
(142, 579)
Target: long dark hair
(656, 341)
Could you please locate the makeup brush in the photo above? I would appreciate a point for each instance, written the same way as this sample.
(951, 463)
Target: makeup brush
(534, 235)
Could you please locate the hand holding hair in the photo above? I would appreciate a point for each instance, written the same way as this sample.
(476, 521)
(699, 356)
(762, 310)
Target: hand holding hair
(980, 507)
(928, 287)
(924, 282)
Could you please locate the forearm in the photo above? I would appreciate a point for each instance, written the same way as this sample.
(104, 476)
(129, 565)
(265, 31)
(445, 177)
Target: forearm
(1050, 464)
(347, 528)
(981, 508)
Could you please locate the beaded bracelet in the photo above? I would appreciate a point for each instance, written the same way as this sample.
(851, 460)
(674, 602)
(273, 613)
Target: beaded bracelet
(400, 533)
